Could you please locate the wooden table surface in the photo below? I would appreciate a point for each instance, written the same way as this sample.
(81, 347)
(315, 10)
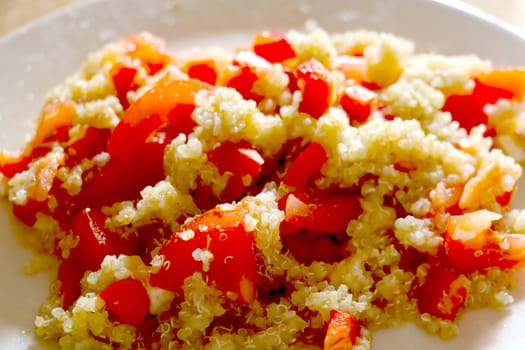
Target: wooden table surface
(14, 13)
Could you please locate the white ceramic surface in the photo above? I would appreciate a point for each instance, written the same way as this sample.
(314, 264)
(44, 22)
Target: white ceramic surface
(35, 58)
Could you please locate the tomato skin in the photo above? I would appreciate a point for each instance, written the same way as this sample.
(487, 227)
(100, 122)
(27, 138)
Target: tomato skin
(128, 300)
(305, 166)
(343, 330)
(467, 110)
(273, 46)
(315, 85)
(442, 295)
(327, 213)
(150, 113)
(358, 102)
(240, 159)
(123, 77)
(221, 231)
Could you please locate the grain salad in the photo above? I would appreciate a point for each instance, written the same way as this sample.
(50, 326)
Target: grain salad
(303, 192)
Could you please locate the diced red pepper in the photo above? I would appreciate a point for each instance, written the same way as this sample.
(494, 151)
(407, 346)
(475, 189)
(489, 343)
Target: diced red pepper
(467, 110)
(53, 117)
(305, 166)
(11, 164)
(343, 330)
(27, 212)
(180, 121)
(149, 113)
(123, 77)
(123, 179)
(315, 84)
(472, 245)
(243, 161)
(89, 145)
(329, 212)
(128, 300)
(358, 102)
(204, 70)
(243, 82)
(231, 265)
(309, 246)
(150, 50)
(69, 277)
(508, 79)
(273, 46)
(442, 295)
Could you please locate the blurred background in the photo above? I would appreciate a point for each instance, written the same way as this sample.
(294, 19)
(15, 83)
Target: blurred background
(15, 13)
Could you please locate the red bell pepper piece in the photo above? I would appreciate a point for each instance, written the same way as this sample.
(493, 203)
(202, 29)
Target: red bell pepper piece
(273, 46)
(358, 102)
(53, 117)
(69, 276)
(467, 110)
(242, 161)
(315, 85)
(123, 77)
(343, 330)
(305, 166)
(221, 232)
(471, 245)
(204, 70)
(309, 246)
(442, 295)
(150, 113)
(128, 300)
(27, 212)
(329, 212)
(508, 79)
(89, 145)
(150, 50)
(123, 179)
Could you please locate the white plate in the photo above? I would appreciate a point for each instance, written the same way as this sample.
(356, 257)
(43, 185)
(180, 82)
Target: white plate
(35, 58)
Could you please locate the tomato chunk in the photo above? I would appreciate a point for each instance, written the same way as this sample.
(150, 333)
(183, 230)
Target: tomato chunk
(315, 85)
(128, 300)
(242, 161)
(273, 46)
(472, 245)
(442, 295)
(305, 166)
(216, 244)
(327, 213)
(149, 113)
(358, 102)
(343, 330)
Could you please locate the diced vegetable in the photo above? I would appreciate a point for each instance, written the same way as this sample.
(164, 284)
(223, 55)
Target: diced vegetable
(123, 77)
(315, 84)
(508, 79)
(343, 330)
(358, 102)
(472, 245)
(204, 70)
(128, 300)
(216, 244)
(52, 117)
(149, 50)
(273, 46)
(442, 295)
(242, 161)
(305, 166)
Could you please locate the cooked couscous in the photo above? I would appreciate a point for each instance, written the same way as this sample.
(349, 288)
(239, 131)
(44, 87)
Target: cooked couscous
(301, 193)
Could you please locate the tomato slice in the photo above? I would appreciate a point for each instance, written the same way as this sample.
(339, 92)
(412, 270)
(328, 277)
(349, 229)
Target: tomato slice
(305, 166)
(149, 113)
(128, 300)
(316, 87)
(442, 295)
(216, 244)
(327, 213)
(358, 102)
(343, 330)
(243, 161)
(273, 46)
